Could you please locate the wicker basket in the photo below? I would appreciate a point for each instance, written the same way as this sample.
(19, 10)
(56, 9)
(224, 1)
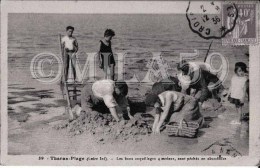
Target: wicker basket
(182, 129)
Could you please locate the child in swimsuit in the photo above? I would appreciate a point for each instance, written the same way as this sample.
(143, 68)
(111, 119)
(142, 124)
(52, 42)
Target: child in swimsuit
(105, 55)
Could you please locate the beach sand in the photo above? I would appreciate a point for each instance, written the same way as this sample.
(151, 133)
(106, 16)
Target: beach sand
(34, 113)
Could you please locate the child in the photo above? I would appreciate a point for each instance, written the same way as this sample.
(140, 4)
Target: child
(238, 89)
(105, 94)
(69, 48)
(105, 54)
(174, 106)
(195, 79)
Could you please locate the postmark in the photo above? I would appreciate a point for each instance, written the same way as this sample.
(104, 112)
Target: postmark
(205, 20)
(245, 30)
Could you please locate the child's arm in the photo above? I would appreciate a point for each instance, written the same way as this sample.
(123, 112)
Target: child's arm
(62, 47)
(165, 113)
(113, 112)
(76, 45)
(128, 109)
(246, 91)
(230, 88)
(111, 46)
(156, 121)
(193, 92)
(99, 55)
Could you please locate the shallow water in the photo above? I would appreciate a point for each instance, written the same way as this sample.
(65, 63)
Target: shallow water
(138, 35)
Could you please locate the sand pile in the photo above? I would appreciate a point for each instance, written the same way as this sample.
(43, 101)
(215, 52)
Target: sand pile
(104, 128)
(103, 125)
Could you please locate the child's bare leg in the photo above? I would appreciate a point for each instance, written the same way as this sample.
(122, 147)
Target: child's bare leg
(66, 66)
(105, 70)
(112, 71)
(73, 61)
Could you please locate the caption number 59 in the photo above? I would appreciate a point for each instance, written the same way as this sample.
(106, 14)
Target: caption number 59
(41, 158)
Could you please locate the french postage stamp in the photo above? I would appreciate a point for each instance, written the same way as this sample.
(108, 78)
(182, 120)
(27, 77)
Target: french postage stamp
(245, 30)
(123, 83)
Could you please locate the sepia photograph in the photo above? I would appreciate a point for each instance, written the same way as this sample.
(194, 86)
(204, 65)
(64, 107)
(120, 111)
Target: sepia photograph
(129, 84)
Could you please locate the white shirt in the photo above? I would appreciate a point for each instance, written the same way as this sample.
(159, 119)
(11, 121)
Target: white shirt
(68, 42)
(238, 87)
(104, 89)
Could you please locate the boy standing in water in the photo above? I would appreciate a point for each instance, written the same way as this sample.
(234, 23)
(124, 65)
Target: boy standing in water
(105, 54)
(69, 48)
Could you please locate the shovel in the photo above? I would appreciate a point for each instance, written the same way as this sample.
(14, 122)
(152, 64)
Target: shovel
(69, 108)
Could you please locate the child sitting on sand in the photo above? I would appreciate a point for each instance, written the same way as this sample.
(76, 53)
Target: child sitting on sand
(238, 89)
(69, 48)
(105, 55)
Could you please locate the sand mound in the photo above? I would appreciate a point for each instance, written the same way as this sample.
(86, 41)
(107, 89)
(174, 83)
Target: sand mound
(105, 129)
(103, 124)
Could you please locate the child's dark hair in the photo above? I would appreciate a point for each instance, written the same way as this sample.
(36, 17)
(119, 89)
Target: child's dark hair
(109, 32)
(151, 99)
(183, 66)
(158, 88)
(242, 66)
(69, 28)
(122, 86)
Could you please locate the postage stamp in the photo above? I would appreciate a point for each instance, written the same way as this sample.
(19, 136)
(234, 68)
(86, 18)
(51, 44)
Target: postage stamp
(103, 83)
(243, 16)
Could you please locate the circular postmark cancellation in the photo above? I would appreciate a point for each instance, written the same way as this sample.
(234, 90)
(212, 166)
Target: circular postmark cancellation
(206, 20)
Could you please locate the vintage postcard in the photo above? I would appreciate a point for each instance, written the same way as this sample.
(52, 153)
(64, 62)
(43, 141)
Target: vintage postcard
(130, 83)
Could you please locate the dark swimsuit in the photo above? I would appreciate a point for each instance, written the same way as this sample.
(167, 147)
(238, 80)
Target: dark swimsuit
(106, 54)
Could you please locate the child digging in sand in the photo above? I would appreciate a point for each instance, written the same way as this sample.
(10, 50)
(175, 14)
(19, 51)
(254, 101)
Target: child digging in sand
(105, 55)
(173, 106)
(69, 48)
(105, 95)
(238, 89)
